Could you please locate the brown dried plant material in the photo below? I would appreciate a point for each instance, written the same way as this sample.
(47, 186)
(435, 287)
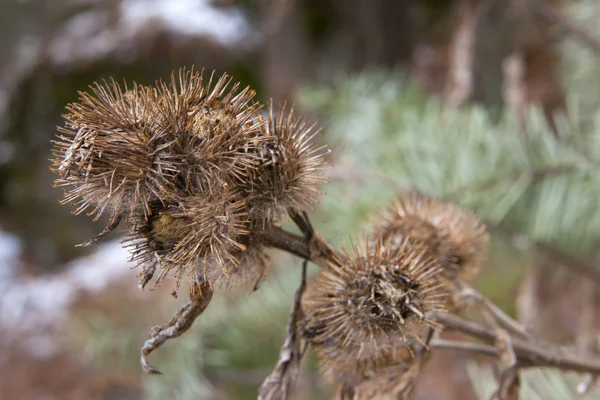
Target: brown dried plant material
(366, 313)
(281, 380)
(105, 153)
(291, 167)
(200, 297)
(454, 235)
(212, 132)
(190, 238)
(248, 274)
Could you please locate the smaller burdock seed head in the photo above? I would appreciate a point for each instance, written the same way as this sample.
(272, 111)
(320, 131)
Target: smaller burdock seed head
(453, 234)
(106, 152)
(365, 312)
(213, 131)
(290, 169)
(189, 238)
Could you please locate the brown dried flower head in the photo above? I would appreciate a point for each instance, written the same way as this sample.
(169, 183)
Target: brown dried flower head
(189, 167)
(291, 166)
(366, 312)
(454, 235)
(213, 132)
(189, 238)
(105, 154)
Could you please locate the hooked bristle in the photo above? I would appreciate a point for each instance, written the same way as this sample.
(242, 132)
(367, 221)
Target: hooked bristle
(367, 312)
(453, 234)
(246, 275)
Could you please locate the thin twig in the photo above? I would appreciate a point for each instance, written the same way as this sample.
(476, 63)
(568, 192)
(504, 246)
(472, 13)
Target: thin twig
(112, 225)
(200, 297)
(279, 382)
(528, 354)
(509, 384)
(471, 295)
(311, 247)
(302, 220)
(283, 240)
(464, 346)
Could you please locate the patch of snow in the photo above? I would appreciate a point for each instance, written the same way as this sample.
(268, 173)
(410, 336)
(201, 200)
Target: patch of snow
(36, 307)
(188, 17)
(94, 34)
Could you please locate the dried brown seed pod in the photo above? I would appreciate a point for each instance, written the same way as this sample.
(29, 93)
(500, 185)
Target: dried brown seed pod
(213, 131)
(454, 235)
(188, 238)
(106, 152)
(291, 164)
(365, 312)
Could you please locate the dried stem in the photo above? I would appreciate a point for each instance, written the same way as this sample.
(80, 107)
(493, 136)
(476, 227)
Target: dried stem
(528, 354)
(112, 225)
(311, 247)
(279, 382)
(200, 297)
(470, 295)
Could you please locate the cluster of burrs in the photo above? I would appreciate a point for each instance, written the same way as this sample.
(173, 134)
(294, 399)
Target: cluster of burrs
(196, 171)
(191, 169)
(365, 312)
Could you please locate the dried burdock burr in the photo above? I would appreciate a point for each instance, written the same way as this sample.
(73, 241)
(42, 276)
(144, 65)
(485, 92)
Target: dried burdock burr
(453, 234)
(190, 238)
(291, 165)
(214, 131)
(366, 311)
(106, 152)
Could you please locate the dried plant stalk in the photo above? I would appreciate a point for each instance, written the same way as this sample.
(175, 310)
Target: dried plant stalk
(279, 382)
(200, 297)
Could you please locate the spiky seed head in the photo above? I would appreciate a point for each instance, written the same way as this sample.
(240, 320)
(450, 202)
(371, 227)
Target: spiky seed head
(248, 274)
(188, 238)
(291, 166)
(365, 312)
(106, 152)
(454, 235)
(213, 131)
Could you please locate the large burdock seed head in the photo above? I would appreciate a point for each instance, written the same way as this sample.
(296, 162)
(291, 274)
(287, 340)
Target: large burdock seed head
(189, 238)
(213, 131)
(106, 152)
(290, 168)
(364, 313)
(454, 235)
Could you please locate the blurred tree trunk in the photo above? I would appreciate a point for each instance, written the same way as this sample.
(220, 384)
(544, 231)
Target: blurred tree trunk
(379, 32)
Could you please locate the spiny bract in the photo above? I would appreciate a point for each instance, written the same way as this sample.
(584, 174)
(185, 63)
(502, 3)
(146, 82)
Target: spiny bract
(453, 234)
(364, 312)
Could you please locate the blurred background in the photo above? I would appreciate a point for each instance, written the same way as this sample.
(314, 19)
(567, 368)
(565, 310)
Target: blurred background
(492, 104)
